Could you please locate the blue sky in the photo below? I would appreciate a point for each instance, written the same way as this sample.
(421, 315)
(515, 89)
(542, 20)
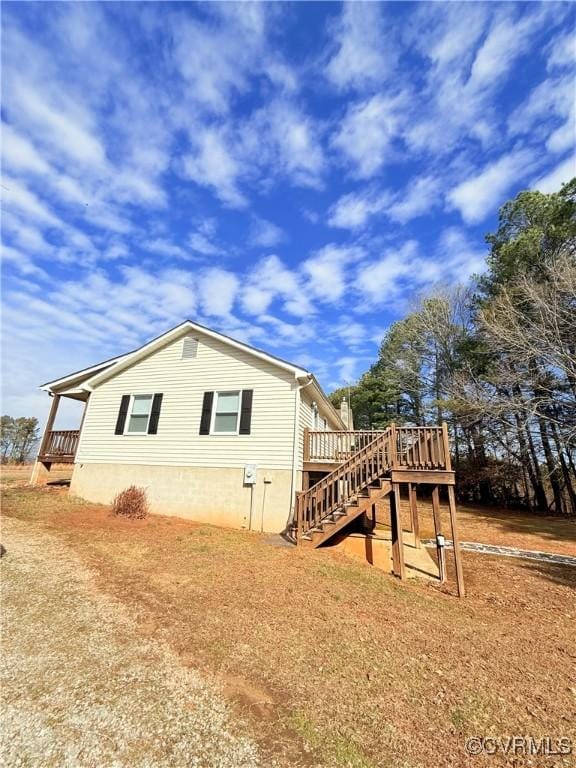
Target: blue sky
(293, 175)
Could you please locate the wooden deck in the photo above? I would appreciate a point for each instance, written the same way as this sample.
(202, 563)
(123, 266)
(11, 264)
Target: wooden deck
(59, 446)
(358, 468)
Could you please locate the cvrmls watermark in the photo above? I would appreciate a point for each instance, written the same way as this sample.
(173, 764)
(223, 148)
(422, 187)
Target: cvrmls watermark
(528, 746)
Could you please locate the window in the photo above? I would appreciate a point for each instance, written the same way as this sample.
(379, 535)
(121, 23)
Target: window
(140, 409)
(226, 413)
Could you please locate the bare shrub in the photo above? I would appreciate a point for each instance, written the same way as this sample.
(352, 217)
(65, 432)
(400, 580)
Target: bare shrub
(131, 503)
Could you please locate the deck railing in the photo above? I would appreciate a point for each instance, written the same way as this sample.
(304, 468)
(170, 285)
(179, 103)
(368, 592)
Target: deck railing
(365, 457)
(421, 448)
(416, 447)
(333, 491)
(63, 443)
(335, 446)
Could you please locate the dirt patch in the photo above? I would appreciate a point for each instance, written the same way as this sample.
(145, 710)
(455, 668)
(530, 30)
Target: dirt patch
(80, 686)
(323, 651)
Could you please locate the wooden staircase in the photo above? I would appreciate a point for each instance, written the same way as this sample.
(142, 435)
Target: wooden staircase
(345, 493)
(350, 510)
(369, 466)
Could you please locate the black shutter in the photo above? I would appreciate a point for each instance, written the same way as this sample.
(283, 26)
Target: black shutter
(155, 415)
(122, 413)
(246, 412)
(206, 413)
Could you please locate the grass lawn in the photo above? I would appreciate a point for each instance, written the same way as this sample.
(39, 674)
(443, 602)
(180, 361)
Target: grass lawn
(331, 661)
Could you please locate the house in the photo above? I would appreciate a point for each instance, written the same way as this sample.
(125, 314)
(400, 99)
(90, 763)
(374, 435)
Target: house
(220, 432)
(188, 416)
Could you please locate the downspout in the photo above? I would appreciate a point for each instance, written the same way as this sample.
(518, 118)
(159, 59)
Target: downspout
(297, 399)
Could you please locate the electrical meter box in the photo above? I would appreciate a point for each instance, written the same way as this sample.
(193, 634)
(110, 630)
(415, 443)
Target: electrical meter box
(250, 474)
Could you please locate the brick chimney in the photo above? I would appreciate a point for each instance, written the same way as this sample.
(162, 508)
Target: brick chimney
(346, 414)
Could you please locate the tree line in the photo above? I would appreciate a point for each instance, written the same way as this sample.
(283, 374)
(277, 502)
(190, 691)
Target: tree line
(17, 438)
(496, 360)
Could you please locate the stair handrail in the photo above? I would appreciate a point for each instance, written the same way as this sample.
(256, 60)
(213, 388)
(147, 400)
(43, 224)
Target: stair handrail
(344, 483)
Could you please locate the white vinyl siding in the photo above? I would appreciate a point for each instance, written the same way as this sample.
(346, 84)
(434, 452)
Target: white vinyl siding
(217, 367)
(307, 420)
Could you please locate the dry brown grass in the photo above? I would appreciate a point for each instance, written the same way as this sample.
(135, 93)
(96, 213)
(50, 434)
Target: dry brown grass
(490, 525)
(323, 650)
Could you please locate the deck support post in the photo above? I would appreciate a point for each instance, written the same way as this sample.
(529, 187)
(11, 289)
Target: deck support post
(41, 470)
(456, 543)
(299, 527)
(413, 500)
(49, 424)
(396, 526)
(438, 530)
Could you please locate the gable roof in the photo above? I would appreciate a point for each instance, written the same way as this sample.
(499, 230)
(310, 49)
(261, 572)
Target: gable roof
(86, 379)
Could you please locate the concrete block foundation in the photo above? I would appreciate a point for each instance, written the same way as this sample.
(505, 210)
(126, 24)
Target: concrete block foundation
(205, 494)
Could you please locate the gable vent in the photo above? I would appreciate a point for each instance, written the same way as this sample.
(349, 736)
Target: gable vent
(189, 347)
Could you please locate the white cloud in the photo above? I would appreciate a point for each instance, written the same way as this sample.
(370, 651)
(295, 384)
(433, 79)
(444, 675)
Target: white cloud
(213, 61)
(562, 52)
(164, 248)
(347, 367)
(553, 100)
(200, 243)
(22, 262)
(421, 197)
(553, 180)
(269, 279)
(352, 333)
(265, 234)
(19, 153)
(218, 58)
(283, 137)
(325, 271)
(475, 198)
(218, 288)
(502, 45)
(212, 164)
(256, 300)
(365, 135)
(365, 53)
(472, 49)
(17, 196)
(63, 124)
(404, 270)
(380, 280)
(563, 137)
(447, 34)
(353, 211)
(457, 257)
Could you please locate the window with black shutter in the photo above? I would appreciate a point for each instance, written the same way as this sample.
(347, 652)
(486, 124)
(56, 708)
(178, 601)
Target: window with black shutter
(227, 413)
(139, 414)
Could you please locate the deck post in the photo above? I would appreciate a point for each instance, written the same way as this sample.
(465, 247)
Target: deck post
(438, 529)
(49, 423)
(396, 526)
(306, 454)
(413, 500)
(393, 445)
(446, 447)
(299, 526)
(40, 471)
(456, 543)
